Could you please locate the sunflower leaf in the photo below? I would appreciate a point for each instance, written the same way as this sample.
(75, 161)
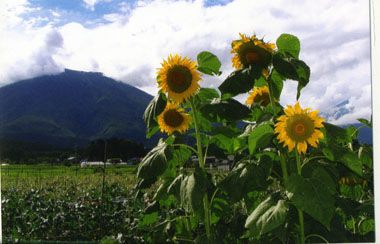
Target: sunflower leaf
(278, 83)
(267, 216)
(260, 137)
(224, 110)
(154, 108)
(291, 68)
(247, 176)
(208, 63)
(240, 81)
(346, 157)
(155, 162)
(366, 122)
(192, 189)
(312, 196)
(288, 43)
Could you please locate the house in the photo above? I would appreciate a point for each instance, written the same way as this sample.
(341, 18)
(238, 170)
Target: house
(93, 163)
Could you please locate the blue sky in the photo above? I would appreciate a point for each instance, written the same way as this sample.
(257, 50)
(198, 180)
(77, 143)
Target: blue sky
(88, 12)
(127, 40)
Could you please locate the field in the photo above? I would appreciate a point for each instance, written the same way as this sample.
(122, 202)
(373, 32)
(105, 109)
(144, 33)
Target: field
(67, 203)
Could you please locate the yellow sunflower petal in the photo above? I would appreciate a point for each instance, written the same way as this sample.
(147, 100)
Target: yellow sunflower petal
(299, 127)
(179, 78)
(173, 119)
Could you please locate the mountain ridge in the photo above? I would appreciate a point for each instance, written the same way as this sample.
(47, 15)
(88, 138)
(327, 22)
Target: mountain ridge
(72, 107)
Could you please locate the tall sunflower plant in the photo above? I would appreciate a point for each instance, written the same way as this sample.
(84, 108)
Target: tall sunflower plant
(291, 177)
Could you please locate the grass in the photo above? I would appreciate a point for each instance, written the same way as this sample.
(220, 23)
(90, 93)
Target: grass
(47, 170)
(27, 177)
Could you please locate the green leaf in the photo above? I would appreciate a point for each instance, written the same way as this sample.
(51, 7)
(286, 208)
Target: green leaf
(322, 175)
(260, 137)
(312, 196)
(224, 136)
(155, 162)
(205, 95)
(155, 107)
(240, 81)
(336, 134)
(291, 68)
(352, 133)
(261, 82)
(225, 110)
(346, 157)
(328, 153)
(366, 122)
(366, 226)
(288, 44)
(208, 63)
(278, 84)
(247, 176)
(149, 219)
(267, 216)
(365, 155)
(192, 189)
(175, 187)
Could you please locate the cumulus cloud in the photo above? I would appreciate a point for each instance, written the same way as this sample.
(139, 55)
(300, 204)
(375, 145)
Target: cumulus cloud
(135, 40)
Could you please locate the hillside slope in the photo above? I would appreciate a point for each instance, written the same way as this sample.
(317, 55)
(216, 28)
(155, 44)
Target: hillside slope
(72, 108)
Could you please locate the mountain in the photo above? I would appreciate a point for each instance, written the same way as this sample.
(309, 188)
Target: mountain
(71, 109)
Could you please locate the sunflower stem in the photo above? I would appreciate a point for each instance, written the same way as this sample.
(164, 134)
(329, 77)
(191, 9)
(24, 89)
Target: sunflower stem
(202, 165)
(271, 98)
(283, 167)
(300, 213)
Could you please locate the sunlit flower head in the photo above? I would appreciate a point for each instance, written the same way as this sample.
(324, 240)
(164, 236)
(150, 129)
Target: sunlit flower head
(250, 50)
(298, 127)
(259, 94)
(173, 119)
(179, 78)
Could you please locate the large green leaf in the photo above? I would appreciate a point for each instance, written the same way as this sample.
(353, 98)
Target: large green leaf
(291, 68)
(321, 174)
(247, 176)
(346, 157)
(336, 133)
(205, 95)
(260, 137)
(155, 162)
(240, 81)
(208, 63)
(154, 108)
(267, 216)
(225, 110)
(225, 138)
(192, 190)
(312, 196)
(175, 187)
(288, 44)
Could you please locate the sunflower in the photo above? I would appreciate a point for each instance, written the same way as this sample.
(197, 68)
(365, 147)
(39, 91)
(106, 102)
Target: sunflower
(179, 78)
(259, 94)
(173, 119)
(299, 126)
(250, 50)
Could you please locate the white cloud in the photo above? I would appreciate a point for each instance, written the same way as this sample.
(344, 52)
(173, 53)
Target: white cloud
(334, 39)
(91, 3)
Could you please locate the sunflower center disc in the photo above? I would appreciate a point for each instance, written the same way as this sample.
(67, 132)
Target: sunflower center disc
(252, 57)
(179, 78)
(300, 129)
(173, 118)
(264, 98)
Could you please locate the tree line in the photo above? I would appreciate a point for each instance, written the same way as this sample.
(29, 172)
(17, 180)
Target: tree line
(20, 152)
